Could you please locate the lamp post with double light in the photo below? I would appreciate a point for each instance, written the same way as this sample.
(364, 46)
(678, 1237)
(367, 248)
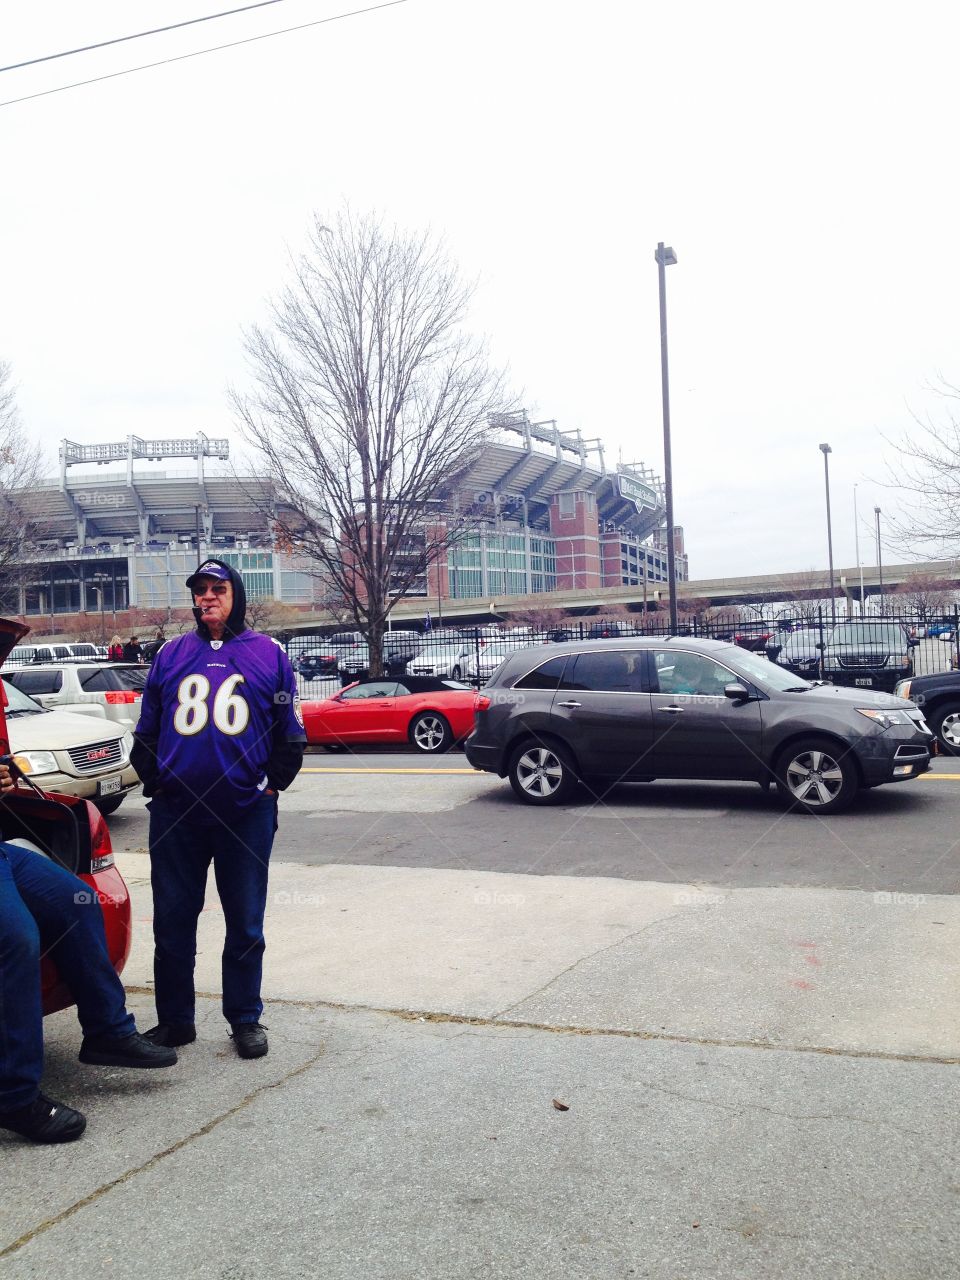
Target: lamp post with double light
(856, 537)
(666, 257)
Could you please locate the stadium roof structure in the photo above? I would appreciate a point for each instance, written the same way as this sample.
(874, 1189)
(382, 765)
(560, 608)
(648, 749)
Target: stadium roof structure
(515, 476)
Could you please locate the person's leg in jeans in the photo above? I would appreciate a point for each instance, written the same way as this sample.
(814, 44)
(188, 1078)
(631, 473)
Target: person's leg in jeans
(180, 853)
(70, 923)
(21, 1018)
(241, 864)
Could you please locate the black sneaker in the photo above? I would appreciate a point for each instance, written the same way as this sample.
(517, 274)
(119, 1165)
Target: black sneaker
(250, 1039)
(44, 1120)
(172, 1034)
(126, 1051)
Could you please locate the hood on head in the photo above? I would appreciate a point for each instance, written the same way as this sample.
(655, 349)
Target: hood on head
(236, 622)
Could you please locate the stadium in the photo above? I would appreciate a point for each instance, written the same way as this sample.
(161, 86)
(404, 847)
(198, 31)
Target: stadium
(121, 527)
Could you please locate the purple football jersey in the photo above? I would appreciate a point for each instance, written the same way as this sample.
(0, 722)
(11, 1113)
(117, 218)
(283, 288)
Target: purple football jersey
(217, 712)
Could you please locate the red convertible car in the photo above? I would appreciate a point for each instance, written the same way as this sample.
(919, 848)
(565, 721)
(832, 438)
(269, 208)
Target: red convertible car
(72, 832)
(426, 711)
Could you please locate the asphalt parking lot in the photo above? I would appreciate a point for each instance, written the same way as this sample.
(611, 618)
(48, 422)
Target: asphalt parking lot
(753, 1017)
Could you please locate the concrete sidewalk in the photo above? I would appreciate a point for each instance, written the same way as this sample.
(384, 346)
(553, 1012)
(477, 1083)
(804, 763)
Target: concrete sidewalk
(761, 1083)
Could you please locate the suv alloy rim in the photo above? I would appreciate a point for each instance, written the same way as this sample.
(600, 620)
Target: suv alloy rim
(950, 729)
(814, 777)
(539, 771)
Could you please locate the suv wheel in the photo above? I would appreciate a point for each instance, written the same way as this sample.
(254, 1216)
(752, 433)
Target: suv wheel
(817, 776)
(542, 773)
(430, 732)
(456, 673)
(945, 723)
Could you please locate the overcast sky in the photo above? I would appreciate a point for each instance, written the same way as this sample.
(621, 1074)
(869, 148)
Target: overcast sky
(799, 160)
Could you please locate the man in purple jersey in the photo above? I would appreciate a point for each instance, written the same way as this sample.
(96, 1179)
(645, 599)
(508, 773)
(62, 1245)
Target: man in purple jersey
(220, 733)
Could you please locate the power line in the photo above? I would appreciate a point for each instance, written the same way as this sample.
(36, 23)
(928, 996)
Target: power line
(138, 35)
(183, 57)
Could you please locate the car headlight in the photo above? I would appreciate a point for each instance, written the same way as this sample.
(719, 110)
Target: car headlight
(127, 743)
(886, 718)
(37, 761)
(902, 689)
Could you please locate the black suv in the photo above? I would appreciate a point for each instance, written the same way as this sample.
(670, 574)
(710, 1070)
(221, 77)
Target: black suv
(868, 653)
(633, 710)
(938, 697)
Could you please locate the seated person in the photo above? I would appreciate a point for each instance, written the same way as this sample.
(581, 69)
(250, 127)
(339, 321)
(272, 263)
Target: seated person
(46, 910)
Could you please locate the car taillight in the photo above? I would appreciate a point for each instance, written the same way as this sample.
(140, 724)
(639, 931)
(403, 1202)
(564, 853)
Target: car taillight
(101, 851)
(119, 696)
(481, 702)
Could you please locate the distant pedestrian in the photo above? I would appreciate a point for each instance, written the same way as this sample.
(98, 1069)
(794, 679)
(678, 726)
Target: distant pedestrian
(115, 652)
(132, 651)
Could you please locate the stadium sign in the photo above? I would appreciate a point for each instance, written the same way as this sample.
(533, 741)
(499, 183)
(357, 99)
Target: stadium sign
(641, 495)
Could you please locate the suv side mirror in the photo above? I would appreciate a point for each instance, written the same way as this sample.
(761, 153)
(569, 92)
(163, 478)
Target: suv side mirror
(737, 692)
(912, 642)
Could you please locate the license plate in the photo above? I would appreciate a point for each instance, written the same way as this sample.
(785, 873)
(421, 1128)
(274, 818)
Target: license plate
(864, 680)
(109, 786)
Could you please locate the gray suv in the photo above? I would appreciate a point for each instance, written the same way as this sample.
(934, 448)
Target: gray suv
(631, 710)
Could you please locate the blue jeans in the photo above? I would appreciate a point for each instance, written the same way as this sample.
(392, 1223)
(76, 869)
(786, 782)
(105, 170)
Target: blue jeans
(45, 910)
(181, 849)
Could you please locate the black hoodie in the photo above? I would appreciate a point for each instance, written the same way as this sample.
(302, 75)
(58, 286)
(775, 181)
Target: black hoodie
(285, 757)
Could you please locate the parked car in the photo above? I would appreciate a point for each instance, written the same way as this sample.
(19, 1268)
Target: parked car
(111, 690)
(24, 653)
(479, 670)
(75, 755)
(429, 713)
(940, 630)
(318, 666)
(647, 708)
(399, 648)
(446, 660)
(71, 832)
(938, 698)
(603, 630)
(868, 654)
(797, 651)
(752, 635)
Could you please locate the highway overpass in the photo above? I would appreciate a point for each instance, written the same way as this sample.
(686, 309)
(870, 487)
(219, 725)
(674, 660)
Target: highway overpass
(772, 588)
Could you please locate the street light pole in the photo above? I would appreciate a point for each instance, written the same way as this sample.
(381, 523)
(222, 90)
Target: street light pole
(826, 451)
(876, 512)
(856, 536)
(666, 257)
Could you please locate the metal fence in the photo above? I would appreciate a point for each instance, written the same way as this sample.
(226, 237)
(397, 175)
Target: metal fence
(875, 651)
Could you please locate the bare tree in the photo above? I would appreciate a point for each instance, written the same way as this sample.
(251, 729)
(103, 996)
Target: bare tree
(370, 405)
(540, 617)
(266, 614)
(926, 594)
(20, 470)
(928, 470)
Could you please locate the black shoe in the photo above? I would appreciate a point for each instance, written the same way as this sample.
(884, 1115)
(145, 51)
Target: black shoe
(125, 1051)
(172, 1034)
(44, 1120)
(250, 1039)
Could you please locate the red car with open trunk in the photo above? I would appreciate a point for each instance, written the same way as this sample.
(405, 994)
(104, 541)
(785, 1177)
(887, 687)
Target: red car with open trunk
(71, 832)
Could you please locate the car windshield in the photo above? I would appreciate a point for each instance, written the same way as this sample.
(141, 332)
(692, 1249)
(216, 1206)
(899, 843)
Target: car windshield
(20, 703)
(864, 633)
(767, 673)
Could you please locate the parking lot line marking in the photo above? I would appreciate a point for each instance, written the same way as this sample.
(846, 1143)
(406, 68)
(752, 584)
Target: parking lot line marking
(940, 777)
(333, 769)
